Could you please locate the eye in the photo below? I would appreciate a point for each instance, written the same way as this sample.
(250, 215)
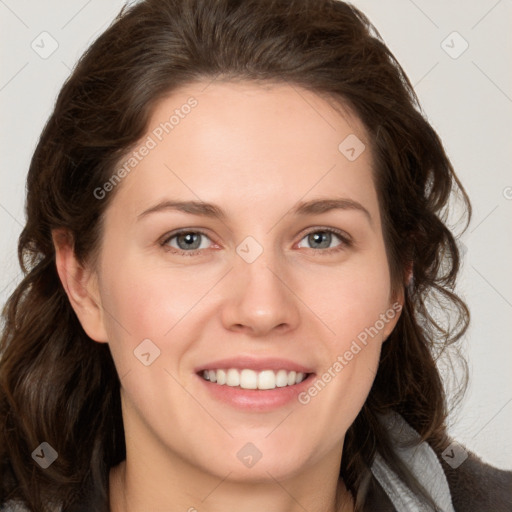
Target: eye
(323, 239)
(189, 242)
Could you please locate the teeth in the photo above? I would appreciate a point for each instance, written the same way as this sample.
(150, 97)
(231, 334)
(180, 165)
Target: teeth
(233, 377)
(221, 377)
(266, 380)
(250, 379)
(281, 378)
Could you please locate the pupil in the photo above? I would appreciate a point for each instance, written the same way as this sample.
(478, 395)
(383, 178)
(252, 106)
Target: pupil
(190, 241)
(321, 238)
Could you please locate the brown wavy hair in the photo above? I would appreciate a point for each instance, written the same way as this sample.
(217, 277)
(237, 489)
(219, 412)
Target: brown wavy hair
(57, 385)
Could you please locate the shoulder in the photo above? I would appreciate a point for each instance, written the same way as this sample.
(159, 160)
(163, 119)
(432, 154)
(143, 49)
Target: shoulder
(476, 485)
(13, 506)
(456, 479)
(17, 506)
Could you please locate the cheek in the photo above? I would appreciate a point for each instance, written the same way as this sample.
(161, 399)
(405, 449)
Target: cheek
(354, 302)
(349, 298)
(146, 300)
(156, 302)
(140, 303)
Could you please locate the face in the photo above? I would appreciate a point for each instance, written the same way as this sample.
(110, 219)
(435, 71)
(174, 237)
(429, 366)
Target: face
(244, 245)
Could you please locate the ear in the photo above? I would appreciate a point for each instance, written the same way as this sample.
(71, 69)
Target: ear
(396, 304)
(392, 315)
(409, 274)
(81, 286)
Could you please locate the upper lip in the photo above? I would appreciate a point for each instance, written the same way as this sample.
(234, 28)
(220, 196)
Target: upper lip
(256, 364)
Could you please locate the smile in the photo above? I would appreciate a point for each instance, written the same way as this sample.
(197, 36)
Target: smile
(251, 379)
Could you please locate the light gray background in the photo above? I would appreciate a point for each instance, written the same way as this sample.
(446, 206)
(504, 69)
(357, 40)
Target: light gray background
(468, 99)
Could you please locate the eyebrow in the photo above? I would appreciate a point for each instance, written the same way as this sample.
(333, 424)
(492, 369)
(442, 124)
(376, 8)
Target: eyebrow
(313, 207)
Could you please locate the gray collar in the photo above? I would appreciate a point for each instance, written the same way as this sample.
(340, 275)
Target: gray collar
(424, 465)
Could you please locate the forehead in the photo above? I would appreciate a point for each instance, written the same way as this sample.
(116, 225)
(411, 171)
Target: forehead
(251, 143)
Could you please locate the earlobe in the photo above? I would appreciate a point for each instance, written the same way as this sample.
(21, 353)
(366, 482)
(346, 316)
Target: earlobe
(393, 313)
(409, 275)
(399, 302)
(80, 285)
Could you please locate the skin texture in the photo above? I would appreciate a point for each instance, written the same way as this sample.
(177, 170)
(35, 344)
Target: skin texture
(255, 151)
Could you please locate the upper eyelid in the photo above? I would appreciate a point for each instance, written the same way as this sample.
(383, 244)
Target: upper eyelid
(173, 234)
(341, 234)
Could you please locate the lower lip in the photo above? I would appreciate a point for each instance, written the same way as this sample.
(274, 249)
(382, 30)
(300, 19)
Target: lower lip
(256, 399)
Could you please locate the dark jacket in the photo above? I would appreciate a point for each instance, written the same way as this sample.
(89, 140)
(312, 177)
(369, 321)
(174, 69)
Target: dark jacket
(475, 487)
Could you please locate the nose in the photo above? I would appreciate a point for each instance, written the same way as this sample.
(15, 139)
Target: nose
(259, 299)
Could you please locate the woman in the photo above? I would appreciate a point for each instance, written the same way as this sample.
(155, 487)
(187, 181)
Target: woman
(234, 226)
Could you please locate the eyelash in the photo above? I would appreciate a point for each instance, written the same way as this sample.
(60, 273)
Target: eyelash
(345, 241)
